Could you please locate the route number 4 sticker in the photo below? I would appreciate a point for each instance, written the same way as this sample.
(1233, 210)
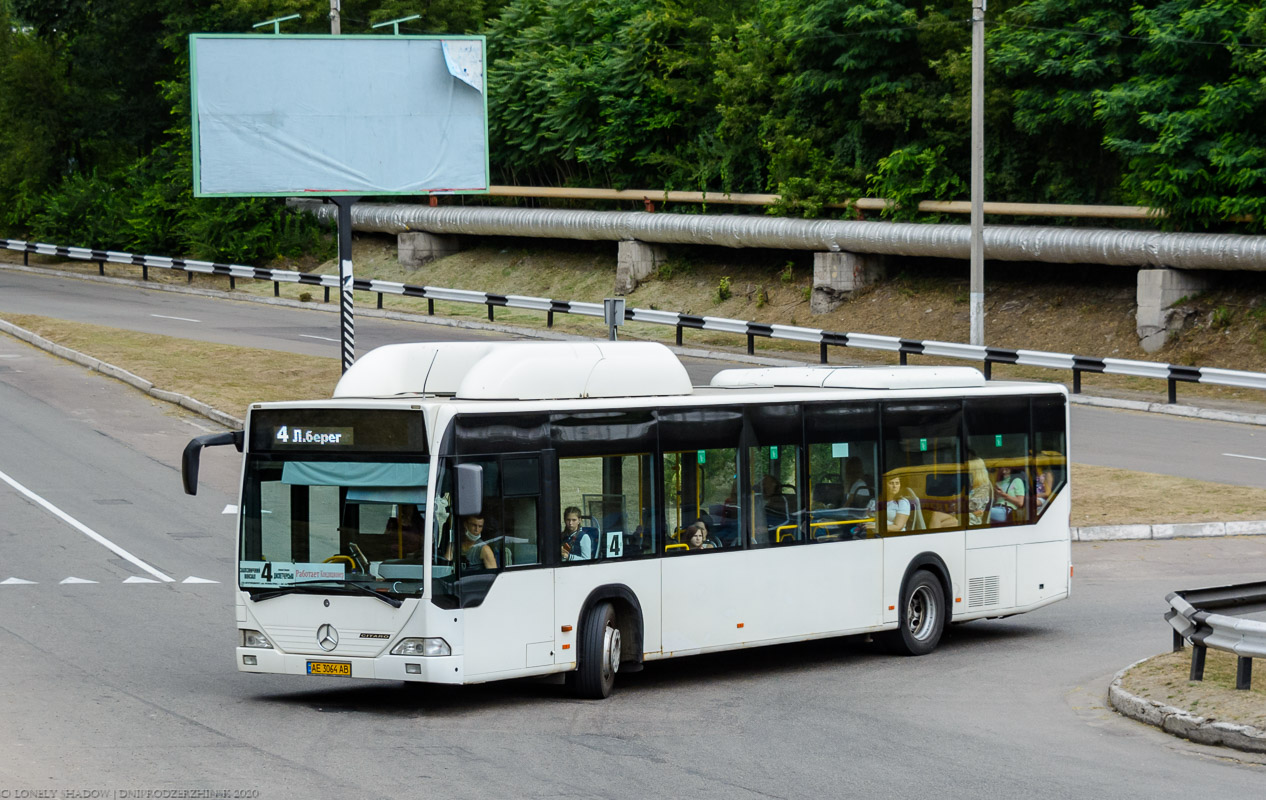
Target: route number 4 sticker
(615, 544)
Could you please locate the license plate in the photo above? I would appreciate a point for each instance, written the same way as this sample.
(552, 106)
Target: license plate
(330, 668)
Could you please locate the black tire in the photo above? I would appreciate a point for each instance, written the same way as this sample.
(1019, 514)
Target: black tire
(921, 618)
(599, 653)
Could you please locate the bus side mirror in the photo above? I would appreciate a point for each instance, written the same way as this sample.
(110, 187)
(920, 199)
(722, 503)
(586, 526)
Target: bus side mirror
(470, 489)
(192, 457)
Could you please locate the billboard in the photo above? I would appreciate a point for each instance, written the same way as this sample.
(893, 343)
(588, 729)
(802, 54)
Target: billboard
(338, 115)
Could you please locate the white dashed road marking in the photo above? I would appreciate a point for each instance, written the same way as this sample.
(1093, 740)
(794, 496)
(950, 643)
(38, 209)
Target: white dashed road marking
(180, 319)
(82, 528)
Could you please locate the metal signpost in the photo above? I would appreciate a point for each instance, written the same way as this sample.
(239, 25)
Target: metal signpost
(978, 172)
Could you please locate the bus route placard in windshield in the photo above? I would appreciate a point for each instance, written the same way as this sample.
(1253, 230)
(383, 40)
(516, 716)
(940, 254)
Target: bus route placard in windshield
(285, 573)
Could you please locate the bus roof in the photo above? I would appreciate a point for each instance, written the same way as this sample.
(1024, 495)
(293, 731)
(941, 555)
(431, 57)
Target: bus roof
(579, 370)
(517, 371)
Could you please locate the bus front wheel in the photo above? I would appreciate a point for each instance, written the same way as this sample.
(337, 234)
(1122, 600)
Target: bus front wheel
(599, 653)
(922, 616)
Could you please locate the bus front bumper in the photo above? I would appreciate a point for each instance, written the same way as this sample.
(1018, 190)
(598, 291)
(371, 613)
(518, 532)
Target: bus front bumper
(433, 669)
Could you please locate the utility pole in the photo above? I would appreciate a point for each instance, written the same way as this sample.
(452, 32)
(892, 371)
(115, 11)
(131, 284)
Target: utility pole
(336, 9)
(978, 172)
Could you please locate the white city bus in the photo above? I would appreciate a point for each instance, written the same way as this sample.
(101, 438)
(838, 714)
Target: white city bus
(467, 512)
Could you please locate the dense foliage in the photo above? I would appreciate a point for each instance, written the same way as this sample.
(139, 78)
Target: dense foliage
(1150, 103)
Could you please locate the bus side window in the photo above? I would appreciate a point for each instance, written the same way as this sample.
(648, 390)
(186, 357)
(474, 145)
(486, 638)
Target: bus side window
(998, 441)
(773, 498)
(843, 460)
(1050, 466)
(607, 505)
(701, 484)
(923, 449)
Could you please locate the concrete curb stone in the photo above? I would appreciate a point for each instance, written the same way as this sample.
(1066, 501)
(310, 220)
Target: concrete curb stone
(1182, 723)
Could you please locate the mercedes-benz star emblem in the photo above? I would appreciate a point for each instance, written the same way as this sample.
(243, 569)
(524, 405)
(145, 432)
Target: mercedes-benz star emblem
(327, 637)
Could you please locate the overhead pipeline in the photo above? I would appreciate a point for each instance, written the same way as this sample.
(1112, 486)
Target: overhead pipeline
(1002, 242)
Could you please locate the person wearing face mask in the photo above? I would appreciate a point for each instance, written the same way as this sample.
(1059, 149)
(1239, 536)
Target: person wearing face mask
(474, 552)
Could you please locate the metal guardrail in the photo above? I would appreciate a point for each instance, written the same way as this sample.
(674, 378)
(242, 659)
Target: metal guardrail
(1192, 618)
(987, 356)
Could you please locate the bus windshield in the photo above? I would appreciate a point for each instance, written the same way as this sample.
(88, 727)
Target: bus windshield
(322, 525)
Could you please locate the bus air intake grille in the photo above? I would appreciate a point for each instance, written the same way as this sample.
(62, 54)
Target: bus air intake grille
(982, 592)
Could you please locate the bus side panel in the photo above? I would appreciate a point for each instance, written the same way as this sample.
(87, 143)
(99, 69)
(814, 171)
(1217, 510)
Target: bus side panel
(513, 629)
(727, 599)
(899, 551)
(575, 582)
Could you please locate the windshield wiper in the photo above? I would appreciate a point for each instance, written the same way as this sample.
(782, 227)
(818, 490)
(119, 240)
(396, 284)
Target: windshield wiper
(300, 585)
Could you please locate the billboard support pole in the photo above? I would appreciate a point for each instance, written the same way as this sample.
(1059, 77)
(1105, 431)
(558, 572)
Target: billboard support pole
(347, 319)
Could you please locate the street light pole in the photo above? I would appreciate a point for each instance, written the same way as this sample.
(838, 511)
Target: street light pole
(978, 172)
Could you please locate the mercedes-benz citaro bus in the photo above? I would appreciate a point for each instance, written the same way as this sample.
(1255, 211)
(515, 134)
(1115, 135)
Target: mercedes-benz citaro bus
(468, 512)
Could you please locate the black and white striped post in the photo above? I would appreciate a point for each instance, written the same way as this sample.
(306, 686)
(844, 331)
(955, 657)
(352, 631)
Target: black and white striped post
(347, 316)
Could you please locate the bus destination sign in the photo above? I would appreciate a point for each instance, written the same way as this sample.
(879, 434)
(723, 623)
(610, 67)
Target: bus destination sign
(312, 437)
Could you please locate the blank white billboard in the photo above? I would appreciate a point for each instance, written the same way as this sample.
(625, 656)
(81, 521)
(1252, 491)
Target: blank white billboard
(327, 115)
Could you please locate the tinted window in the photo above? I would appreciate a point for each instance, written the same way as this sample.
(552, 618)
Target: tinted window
(923, 485)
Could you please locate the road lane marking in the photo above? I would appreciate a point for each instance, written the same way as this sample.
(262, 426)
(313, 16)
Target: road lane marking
(322, 338)
(139, 579)
(192, 579)
(82, 528)
(1237, 455)
(16, 582)
(181, 319)
(73, 579)
(229, 509)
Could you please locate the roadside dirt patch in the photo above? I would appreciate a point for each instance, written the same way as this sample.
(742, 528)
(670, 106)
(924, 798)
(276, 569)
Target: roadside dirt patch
(1164, 679)
(1109, 496)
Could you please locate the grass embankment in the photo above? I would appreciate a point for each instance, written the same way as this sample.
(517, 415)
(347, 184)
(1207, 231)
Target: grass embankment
(230, 378)
(1164, 679)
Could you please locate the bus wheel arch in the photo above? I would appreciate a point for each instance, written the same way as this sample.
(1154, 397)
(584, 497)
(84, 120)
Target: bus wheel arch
(924, 606)
(625, 618)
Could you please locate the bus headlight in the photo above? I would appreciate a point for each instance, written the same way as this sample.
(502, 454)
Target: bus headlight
(255, 639)
(422, 647)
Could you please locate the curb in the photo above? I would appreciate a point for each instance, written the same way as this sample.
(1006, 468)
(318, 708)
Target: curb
(1102, 533)
(1184, 411)
(1188, 530)
(1177, 722)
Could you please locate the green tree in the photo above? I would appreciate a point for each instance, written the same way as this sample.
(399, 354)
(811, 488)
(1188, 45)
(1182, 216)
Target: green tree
(1187, 122)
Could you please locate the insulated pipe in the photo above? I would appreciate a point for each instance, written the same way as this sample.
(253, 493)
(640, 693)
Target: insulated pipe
(1002, 243)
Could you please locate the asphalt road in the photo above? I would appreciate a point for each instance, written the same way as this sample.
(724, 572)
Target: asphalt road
(126, 686)
(1215, 451)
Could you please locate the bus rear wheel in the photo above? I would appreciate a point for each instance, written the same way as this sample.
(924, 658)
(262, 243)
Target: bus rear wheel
(599, 653)
(922, 616)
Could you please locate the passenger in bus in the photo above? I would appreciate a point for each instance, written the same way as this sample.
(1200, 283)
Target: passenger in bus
(577, 544)
(702, 525)
(474, 552)
(694, 537)
(772, 508)
(896, 506)
(405, 531)
(980, 496)
(1044, 481)
(858, 493)
(1008, 500)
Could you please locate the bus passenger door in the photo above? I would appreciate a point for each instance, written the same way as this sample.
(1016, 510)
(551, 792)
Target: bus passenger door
(509, 610)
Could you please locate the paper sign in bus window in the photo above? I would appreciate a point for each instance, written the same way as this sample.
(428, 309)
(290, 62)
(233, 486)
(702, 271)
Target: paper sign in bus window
(615, 544)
